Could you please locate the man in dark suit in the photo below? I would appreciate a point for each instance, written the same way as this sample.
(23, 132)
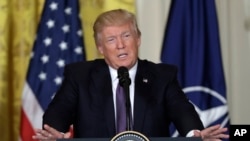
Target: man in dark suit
(86, 98)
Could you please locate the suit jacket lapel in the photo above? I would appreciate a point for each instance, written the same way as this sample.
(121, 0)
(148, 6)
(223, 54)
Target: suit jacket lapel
(143, 88)
(103, 92)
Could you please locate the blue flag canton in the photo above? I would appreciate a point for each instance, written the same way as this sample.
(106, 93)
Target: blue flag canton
(59, 42)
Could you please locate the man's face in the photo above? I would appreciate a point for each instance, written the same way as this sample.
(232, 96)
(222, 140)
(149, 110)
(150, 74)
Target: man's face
(119, 45)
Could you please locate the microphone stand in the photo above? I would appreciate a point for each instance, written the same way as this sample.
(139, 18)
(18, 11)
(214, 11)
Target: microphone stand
(128, 105)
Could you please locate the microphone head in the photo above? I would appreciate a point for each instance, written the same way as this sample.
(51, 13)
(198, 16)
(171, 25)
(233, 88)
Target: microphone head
(123, 76)
(122, 71)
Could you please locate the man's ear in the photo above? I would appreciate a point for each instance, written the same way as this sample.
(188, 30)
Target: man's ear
(100, 49)
(139, 42)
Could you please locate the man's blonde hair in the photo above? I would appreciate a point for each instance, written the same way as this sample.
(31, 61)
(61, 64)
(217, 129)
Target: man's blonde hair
(114, 18)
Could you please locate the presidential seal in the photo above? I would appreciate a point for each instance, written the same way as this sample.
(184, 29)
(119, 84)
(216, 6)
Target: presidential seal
(129, 136)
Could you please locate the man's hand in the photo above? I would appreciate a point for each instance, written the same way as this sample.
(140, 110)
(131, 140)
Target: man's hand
(50, 134)
(213, 133)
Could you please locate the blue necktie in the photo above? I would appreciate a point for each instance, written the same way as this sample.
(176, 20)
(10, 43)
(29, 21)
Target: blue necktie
(120, 110)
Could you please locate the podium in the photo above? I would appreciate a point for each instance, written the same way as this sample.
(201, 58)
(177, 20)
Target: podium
(151, 139)
(134, 136)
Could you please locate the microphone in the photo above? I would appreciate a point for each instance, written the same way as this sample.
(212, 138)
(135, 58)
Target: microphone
(125, 81)
(123, 76)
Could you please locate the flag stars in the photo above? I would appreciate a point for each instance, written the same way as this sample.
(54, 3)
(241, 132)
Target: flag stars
(45, 59)
(78, 50)
(58, 80)
(60, 63)
(63, 45)
(50, 23)
(53, 95)
(47, 41)
(53, 6)
(42, 76)
(68, 11)
(65, 28)
(79, 33)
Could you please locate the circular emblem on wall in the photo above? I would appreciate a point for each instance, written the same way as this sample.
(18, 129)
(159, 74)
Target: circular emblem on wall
(129, 136)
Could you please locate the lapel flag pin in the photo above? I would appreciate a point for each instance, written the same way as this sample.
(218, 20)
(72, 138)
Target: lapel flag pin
(145, 80)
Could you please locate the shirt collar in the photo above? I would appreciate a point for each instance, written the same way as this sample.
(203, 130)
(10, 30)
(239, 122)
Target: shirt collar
(132, 72)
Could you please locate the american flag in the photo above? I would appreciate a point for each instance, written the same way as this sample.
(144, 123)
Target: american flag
(58, 42)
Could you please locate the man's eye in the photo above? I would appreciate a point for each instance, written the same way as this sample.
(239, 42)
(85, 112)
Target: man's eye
(126, 35)
(110, 39)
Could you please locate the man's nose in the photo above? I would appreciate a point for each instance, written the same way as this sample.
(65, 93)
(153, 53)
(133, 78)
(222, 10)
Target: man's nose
(120, 43)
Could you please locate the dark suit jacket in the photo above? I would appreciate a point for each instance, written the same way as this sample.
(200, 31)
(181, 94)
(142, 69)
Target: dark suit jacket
(85, 100)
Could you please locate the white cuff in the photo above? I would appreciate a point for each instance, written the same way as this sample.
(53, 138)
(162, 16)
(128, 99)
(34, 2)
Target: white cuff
(191, 133)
